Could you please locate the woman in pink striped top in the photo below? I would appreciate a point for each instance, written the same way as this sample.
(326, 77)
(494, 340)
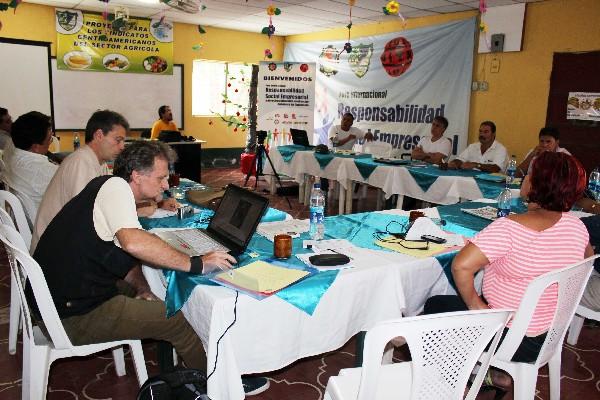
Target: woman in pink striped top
(517, 249)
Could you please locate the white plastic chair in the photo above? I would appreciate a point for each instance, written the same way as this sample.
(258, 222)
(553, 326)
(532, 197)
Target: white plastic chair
(39, 351)
(18, 212)
(444, 349)
(15, 302)
(378, 149)
(571, 282)
(581, 314)
(29, 206)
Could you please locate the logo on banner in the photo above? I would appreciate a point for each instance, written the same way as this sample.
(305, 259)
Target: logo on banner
(69, 20)
(360, 59)
(397, 56)
(328, 60)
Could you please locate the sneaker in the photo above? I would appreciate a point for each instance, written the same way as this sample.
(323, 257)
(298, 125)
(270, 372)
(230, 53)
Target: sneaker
(255, 385)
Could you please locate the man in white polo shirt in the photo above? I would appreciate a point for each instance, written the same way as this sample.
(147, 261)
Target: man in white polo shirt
(345, 135)
(488, 155)
(434, 148)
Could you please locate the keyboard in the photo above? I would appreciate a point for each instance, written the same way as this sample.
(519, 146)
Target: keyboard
(199, 241)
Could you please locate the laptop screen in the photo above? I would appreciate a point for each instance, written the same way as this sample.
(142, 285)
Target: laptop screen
(238, 215)
(299, 137)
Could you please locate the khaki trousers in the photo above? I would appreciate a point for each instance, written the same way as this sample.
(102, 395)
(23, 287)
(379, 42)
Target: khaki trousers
(123, 318)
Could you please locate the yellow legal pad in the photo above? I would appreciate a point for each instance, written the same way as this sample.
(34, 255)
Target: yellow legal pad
(262, 277)
(394, 244)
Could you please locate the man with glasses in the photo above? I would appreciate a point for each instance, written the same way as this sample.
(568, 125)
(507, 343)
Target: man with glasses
(28, 169)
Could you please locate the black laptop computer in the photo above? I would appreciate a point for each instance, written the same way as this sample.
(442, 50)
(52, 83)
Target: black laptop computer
(169, 136)
(300, 137)
(230, 228)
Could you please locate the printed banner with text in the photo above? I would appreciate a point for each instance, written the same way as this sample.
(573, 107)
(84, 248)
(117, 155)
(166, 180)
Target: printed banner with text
(87, 42)
(583, 105)
(395, 84)
(286, 98)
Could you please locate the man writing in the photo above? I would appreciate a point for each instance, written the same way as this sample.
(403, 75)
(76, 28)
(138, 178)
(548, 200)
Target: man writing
(435, 148)
(164, 123)
(28, 169)
(488, 155)
(83, 261)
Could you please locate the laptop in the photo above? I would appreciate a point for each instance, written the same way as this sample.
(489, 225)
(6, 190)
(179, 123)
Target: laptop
(300, 137)
(169, 136)
(230, 229)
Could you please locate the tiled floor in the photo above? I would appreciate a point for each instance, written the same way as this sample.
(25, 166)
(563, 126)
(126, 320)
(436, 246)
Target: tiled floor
(94, 377)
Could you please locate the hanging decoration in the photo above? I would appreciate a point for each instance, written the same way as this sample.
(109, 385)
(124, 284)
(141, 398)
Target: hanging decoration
(12, 4)
(483, 28)
(348, 45)
(393, 8)
(270, 30)
(239, 120)
(200, 45)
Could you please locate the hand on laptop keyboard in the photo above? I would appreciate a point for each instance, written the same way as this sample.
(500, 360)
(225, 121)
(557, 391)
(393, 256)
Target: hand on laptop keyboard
(217, 260)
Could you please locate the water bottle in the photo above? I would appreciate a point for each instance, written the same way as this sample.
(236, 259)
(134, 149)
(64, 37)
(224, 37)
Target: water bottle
(504, 201)
(76, 141)
(511, 170)
(594, 184)
(317, 213)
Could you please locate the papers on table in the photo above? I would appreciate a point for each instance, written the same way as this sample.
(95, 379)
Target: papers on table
(162, 213)
(293, 227)
(425, 226)
(358, 256)
(414, 249)
(261, 278)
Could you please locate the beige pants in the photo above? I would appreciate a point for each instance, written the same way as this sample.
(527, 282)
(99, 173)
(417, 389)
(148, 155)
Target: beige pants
(591, 294)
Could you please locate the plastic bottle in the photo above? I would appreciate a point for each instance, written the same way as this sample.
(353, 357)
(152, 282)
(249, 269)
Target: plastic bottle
(594, 183)
(511, 170)
(317, 213)
(76, 141)
(504, 201)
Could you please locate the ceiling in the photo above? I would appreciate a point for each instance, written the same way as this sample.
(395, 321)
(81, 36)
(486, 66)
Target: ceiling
(297, 16)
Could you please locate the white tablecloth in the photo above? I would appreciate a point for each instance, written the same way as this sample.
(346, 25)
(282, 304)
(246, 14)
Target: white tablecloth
(272, 333)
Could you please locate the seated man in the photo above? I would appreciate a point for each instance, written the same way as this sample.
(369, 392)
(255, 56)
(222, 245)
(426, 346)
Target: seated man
(164, 123)
(435, 148)
(28, 169)
(105, 134)
(488, 155)
(549, 141)
(83, 261)
(344, 136)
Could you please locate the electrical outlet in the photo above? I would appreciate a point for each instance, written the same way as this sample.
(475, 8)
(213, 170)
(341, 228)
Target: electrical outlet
(483, 86)
(475, 86)
(495, 65)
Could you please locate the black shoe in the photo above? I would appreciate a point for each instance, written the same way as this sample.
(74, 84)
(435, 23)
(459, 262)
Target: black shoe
(255, 385)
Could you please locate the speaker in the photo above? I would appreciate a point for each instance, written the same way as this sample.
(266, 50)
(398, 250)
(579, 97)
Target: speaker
(497, 43)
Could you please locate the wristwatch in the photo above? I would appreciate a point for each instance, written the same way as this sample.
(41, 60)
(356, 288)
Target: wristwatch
(196, 265)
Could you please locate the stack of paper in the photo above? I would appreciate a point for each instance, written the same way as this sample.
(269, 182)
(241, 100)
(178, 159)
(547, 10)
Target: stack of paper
(261, 278)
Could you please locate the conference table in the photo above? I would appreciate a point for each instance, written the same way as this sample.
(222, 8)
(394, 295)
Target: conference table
(244, 335)
(418, 180)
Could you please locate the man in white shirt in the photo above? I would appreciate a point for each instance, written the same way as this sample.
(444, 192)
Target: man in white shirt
(28, 170)
(488, 155)
(344, 136)
(435, 148)
(549, 138)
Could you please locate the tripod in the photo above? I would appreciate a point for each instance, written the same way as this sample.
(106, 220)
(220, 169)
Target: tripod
(258, 158)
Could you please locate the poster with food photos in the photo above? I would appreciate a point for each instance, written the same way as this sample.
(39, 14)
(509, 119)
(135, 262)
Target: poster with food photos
(584, 106)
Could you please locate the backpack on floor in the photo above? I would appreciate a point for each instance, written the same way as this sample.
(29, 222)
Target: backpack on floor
(180, 384)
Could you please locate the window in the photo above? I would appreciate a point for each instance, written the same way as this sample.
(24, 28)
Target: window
(213, 80)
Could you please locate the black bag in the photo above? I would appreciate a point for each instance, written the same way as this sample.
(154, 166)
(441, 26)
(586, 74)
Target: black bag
(180, 384)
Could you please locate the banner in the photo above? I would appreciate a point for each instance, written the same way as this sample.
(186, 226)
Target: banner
(87, 42)
(395, 84)
(583, 105)
(286, 98)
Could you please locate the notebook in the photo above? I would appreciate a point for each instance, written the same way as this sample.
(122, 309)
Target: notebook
(300, 137)
(230, 229)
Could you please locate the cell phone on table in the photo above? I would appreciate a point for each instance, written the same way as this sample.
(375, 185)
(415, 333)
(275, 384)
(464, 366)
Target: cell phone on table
(433, 239)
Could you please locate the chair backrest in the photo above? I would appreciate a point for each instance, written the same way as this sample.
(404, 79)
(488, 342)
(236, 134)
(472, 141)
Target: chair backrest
(571, 282)
(378, 149)
(444, 350)
(6, 219)
(24, 267)
(19, 218)
(29, 206)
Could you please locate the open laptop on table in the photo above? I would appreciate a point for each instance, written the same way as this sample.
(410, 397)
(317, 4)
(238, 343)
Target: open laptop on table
(300, 137)
(230, 228)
